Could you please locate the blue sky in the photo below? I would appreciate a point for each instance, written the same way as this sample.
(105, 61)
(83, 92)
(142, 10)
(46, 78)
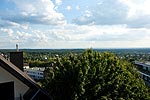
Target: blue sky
(74, 23)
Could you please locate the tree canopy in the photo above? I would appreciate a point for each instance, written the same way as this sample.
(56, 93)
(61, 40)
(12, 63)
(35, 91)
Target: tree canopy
(95, 76)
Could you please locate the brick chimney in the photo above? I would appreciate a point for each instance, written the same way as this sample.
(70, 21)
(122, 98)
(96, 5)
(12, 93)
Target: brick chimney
(17, 58)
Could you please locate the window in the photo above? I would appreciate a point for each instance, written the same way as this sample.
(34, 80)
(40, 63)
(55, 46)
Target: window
(41, 73)
(7, 90)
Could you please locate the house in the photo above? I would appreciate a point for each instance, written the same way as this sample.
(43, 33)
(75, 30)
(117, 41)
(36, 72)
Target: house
(144, 65)
(144, 69)
(17, 85)
(147, 66)
(35, 73)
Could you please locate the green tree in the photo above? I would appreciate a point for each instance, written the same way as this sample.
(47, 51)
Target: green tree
(95, 76)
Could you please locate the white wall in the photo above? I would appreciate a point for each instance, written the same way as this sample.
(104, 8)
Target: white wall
(145, 67)
(35, 73)
(19, 87)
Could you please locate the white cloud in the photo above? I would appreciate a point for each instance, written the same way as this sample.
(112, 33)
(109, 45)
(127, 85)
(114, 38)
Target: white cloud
(88, 13)
(40, 36)
(76, 36)
(58, 2)
(68, 8)
(77, 7)
(93, 33)
(137, 7)
(133, 13)
(34, 12)
(17, 25)
(7, 32)
(109, 23)
(23, 35)
(110, 12)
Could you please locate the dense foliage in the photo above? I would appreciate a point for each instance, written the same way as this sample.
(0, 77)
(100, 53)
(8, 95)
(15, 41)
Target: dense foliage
(36, 56)
(93, 76)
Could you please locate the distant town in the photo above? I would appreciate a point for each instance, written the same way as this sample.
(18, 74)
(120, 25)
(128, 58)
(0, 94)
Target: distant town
(39, 63)
(36, 61)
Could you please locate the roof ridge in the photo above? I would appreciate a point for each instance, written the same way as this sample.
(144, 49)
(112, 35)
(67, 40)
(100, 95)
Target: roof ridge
(15, 68)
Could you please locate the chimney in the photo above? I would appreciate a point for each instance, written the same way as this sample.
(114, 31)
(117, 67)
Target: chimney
(17, 58)
(17, 49)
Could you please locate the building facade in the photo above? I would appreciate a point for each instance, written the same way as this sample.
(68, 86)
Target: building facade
(35, 73)
(17, 85)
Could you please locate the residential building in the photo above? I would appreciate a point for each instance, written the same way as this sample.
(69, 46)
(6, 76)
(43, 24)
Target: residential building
(144, 69)
(144, 65)
(35, 73)
(16, 84)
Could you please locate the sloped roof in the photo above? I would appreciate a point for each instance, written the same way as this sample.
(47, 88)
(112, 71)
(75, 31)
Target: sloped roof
(35, 89)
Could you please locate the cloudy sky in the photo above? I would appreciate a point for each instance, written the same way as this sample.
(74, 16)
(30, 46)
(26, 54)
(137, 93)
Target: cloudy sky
(74, 23)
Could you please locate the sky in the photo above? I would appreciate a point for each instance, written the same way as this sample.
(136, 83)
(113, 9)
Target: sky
(57, 24)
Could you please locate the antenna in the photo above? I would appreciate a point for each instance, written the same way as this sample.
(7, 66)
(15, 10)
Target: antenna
(17, 49)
